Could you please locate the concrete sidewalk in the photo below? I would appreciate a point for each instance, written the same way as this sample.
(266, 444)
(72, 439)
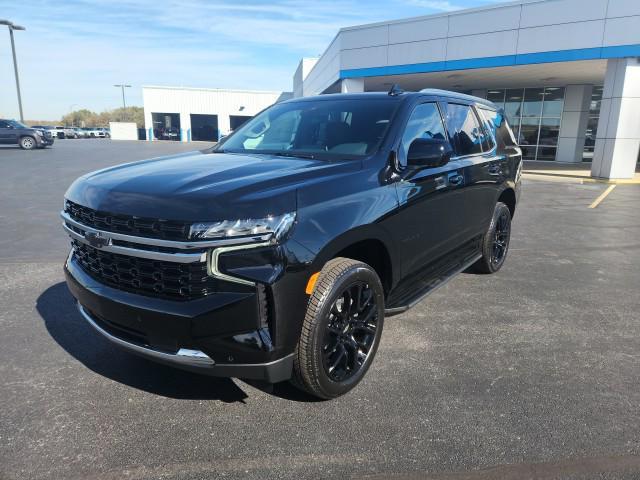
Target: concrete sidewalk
(572, 172)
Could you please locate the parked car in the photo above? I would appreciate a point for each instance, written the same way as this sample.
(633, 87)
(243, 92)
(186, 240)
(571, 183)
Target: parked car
(99, 132)
(16, 133)
(48, 128)
(80, 132)
(66, 132)
(277, 254)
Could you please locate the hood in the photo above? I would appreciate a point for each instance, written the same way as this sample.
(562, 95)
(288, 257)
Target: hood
(199, 186)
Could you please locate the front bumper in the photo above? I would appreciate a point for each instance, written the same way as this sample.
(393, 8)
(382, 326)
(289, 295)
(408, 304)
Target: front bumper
(220, 335)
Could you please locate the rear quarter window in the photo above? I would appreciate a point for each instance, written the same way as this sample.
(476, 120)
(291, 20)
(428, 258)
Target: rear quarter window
(463, 128)
(496, 123)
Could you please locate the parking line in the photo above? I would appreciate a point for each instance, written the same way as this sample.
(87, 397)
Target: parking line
(602, 196)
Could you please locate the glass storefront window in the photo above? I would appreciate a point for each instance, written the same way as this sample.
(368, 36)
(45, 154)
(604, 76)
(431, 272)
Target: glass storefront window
(529, 153)
(553, 102)
(549, 131)
(497, 97)
(535, 115)
(532, 106)
(592, 124)
(529, 130)
(546, 153)
(596, 100)
(513, 107)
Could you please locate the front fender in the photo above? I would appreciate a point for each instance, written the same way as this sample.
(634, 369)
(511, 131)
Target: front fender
(334, 215)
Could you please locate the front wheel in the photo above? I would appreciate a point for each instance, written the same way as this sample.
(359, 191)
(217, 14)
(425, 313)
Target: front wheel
(341, 329)
(495, 244)
(27, 143)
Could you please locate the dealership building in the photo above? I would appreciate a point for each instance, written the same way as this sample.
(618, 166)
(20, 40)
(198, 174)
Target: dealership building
(200, 114)
(567, 73)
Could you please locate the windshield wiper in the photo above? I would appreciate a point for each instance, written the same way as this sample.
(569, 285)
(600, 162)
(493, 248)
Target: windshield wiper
(310, 156)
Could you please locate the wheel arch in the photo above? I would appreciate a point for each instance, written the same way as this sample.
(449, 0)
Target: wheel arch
(508, 197)
(372, 246)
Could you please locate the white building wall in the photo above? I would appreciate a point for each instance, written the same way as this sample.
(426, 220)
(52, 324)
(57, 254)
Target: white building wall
(223, 103)
(618, 138)
(304, 67)
(512, 29)
(123, 130)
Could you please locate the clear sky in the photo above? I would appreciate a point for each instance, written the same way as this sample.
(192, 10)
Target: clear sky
(73, 51)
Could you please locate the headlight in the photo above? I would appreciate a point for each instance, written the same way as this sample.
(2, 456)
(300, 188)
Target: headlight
(275, 226)
(40, 133)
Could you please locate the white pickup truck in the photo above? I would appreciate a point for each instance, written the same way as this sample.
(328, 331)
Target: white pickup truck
(98, 133)
(66, 132)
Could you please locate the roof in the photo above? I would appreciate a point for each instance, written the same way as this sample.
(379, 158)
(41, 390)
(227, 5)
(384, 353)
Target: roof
(403, 95)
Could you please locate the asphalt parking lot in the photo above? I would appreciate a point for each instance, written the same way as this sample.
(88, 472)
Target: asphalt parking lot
(530, 373)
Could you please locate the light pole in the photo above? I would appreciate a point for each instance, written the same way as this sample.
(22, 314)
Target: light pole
(13, 27)
(124, 104)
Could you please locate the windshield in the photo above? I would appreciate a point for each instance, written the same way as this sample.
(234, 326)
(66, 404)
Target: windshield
(17, 124)
(318, 129)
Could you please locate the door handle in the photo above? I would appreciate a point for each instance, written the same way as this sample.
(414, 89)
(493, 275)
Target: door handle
(456, 179)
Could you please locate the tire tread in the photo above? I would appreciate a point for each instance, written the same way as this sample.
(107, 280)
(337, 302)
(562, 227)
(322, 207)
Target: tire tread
(303, 364)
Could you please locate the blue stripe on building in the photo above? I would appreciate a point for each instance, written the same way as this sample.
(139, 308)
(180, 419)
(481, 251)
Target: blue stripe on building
(500, 61)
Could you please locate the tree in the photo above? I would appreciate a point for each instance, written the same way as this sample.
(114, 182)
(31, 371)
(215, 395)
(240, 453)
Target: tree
(87, 118)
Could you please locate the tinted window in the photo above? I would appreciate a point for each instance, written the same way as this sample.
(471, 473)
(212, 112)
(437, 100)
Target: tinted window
(424, 122)
(497, 124)
(4, 124)
(321, 128)
(464, 132)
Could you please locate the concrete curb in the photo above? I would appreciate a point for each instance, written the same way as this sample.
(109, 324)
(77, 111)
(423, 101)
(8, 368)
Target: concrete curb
(559, 177)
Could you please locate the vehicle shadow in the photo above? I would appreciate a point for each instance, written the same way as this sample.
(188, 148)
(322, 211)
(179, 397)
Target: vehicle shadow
(65, 325)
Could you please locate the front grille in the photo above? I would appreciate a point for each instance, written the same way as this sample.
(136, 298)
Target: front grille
(129, 224)
(170, 280)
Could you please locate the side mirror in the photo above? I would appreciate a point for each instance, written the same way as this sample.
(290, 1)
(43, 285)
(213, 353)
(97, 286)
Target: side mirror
(429, 153)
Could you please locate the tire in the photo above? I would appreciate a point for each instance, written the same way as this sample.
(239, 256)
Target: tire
(495, 244)
(328, 360)
(27, 143)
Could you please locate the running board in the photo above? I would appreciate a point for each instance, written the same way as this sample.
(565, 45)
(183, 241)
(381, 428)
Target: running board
(389, 312)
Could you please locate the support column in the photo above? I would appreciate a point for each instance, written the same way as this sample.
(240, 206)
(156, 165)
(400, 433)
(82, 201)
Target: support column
(148, 125)
(185, 127)
(575, 116)
(618, 138)
(224, 124)
(352, 85)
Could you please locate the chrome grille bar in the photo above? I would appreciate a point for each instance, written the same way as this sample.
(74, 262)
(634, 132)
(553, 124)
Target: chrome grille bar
(134, 252)
(157, 242)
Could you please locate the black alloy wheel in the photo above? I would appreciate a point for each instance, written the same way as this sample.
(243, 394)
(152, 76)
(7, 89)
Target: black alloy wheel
(495, 244)
(350, 331)
(501, 235)
(341, 329)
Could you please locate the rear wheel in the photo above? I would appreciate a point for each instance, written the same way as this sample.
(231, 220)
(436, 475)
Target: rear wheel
(341, 330)
(495, 244)
(27, 143)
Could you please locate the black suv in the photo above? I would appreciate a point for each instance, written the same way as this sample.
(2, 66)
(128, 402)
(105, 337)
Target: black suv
(277, 254)
(16, 133)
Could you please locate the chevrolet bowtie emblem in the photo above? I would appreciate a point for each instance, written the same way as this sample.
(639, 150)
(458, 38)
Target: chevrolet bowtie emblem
(96, 240)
